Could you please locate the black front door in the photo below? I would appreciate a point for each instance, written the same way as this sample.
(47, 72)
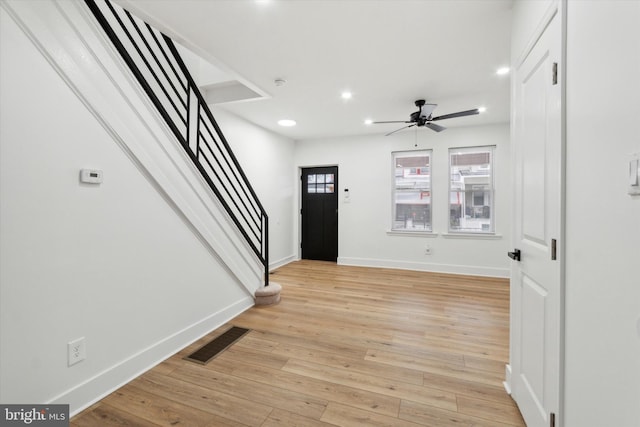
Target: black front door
(320, 213)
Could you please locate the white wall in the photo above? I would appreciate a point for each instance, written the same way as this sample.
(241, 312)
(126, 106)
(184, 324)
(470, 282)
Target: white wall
(140, 265)
(602, 367)
(364, 167)
(267, 160)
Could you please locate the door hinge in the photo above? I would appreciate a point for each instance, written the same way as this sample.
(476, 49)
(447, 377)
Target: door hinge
(555, 73)
(552, 420)
(553, 250)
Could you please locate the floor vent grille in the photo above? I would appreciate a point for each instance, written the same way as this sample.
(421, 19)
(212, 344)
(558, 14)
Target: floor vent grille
(217, 345)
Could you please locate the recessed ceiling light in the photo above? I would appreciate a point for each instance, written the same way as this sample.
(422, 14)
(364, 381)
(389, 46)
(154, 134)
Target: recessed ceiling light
(346, 95)
(368, 121)
(482, 109)
(287, 122)
(503, 71)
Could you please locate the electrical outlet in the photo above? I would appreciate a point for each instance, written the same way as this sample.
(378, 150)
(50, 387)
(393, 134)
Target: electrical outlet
(76, 351)
(427, 250)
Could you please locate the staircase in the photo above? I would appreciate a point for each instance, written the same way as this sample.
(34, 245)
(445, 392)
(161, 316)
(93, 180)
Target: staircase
(174, 242)
(154, 60)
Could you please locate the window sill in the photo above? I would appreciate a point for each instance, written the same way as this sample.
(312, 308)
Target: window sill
(412, 233)
(485, 236)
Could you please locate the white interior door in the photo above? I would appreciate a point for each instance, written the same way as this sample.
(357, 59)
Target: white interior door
(536, 297)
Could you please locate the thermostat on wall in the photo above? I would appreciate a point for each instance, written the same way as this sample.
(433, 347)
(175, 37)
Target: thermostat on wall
(91, 176)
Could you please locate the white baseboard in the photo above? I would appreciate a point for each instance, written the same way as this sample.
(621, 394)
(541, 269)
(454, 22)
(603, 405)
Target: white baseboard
(282, 262)
(89, 392)
(419, 266)
(507, 382)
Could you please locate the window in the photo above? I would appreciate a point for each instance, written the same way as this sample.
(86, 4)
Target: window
(412, 191)
(471, 190)
(321, 183)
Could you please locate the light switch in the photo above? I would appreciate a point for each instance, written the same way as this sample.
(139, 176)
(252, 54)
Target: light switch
(634, 174)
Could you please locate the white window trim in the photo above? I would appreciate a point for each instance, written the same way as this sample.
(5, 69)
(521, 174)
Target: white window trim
(412, 233)
(467, 235)
(404, 232)
(491, 234)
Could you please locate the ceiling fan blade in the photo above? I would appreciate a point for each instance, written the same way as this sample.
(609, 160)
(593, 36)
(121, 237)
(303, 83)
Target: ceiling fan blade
(398, 130)
(459, 114)
(435, 127)
(393, 121)
(427, 109)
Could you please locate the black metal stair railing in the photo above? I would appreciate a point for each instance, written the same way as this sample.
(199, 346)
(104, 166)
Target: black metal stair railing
(158, 67)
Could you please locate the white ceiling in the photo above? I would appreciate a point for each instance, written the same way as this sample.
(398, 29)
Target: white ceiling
(388, 53)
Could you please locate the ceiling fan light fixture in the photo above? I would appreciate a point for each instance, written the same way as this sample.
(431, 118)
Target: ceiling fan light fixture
(482, 109)
(424, 118)
(368, 122)
(287, 122)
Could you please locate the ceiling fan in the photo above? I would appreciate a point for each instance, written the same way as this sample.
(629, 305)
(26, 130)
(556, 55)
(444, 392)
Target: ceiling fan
(423, 117)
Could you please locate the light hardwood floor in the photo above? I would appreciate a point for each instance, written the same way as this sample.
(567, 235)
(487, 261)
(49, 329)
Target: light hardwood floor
(346, 346)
